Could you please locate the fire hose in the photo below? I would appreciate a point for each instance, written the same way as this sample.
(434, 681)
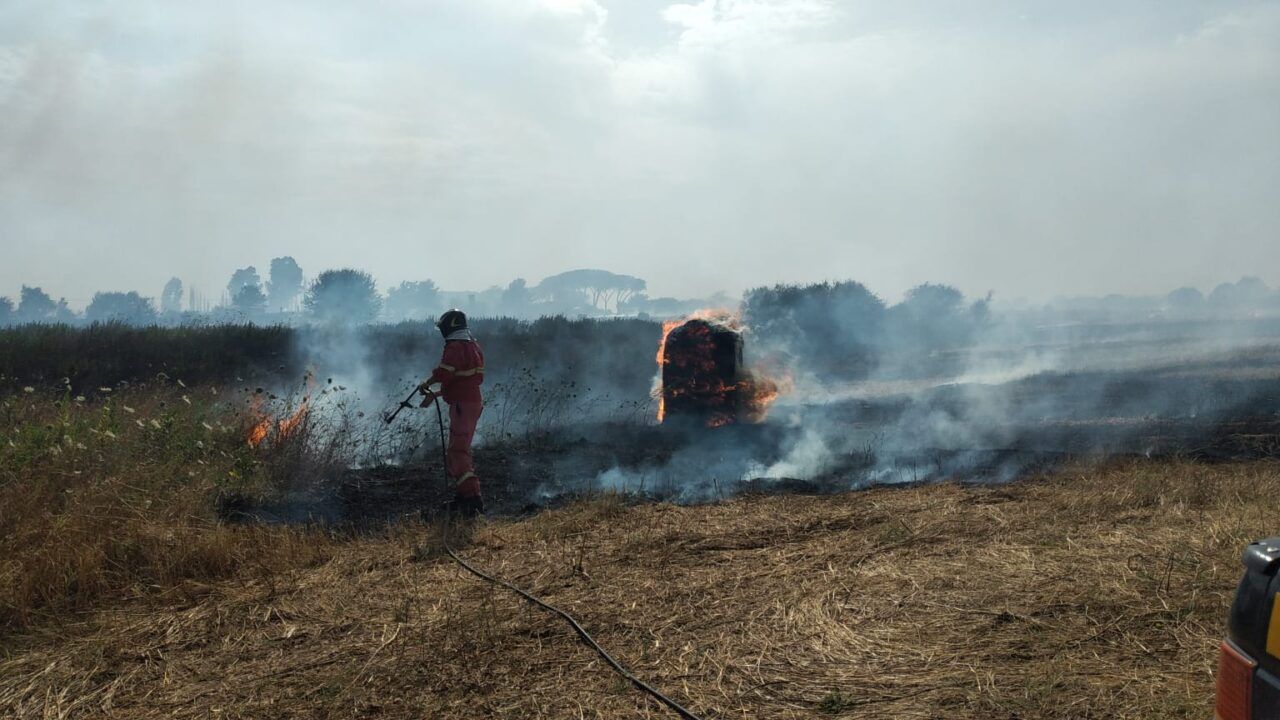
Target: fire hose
(583, 635)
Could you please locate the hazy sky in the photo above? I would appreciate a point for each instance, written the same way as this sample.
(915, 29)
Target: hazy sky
(1030, 147)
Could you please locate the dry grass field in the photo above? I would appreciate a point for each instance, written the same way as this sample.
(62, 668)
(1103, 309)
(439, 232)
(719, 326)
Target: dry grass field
(1097, 592)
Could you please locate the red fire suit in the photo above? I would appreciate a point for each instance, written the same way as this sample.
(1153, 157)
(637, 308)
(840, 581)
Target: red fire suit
(460, 374)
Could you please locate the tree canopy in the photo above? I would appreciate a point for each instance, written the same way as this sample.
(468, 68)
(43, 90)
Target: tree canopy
(171, 297)
(250, 301)
(285, 284)
(1185, 299)
(130, 308)
(35, 306)
(833, 326)
(240, 278)
(413, 300)
(603, 290)
(1246, 293)
(343, 296)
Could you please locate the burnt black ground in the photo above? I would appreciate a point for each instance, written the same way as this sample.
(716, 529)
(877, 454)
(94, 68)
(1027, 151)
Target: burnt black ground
(1220, 411)
(519, 478)
(523, 479)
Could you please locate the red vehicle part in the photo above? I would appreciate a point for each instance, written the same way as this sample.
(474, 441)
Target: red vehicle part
(1234, 699)
(1248, 683)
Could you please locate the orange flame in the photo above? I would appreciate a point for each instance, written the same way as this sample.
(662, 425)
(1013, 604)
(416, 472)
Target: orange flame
(262, 424)
(763, 389)
(285, 428)
(667, 327)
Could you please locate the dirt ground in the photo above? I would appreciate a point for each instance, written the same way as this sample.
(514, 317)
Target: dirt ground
(1093, 592)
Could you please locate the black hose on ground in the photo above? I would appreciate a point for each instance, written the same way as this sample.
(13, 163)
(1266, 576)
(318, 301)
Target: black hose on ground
(577, 628)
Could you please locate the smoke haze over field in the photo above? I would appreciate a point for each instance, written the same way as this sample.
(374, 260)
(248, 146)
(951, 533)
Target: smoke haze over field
(1032, 147)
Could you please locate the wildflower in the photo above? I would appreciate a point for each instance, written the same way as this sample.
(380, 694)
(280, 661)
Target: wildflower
(155, 424)
(104, 389)
(28, 389)
(80, 446)
(200, 444)
(79, 398)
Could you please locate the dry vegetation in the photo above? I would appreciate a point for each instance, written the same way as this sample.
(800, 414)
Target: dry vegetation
(113, 497)
(1094, 593)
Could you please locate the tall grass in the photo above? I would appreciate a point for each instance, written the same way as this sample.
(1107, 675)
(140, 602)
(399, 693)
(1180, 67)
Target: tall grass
(598, 357)
(99, 355)
(113, 497)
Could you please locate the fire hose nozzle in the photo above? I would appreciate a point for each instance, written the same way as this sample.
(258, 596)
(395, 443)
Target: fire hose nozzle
(405, 403)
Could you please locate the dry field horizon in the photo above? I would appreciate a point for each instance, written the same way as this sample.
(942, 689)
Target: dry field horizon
(1095, 591)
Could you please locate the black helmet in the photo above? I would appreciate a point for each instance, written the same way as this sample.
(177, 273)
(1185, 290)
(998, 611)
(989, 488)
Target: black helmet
(451, 322)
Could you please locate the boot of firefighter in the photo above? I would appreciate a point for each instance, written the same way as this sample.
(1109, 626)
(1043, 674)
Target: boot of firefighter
(465, 507)
(467, 501)
(455, 509)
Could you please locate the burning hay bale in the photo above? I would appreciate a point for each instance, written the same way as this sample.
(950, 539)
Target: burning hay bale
(704, 379)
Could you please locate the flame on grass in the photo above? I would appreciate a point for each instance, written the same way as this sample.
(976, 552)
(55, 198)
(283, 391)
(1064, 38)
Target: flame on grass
(284, 428)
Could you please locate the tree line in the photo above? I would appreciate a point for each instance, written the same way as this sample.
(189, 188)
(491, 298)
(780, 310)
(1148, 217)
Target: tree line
(351, 296)
(347, 295)
(842, 329)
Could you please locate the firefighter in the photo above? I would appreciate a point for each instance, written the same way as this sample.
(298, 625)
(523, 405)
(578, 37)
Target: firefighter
(459, 375)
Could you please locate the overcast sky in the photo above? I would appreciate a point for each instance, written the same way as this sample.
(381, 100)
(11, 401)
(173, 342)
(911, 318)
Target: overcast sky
(1029, 147)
